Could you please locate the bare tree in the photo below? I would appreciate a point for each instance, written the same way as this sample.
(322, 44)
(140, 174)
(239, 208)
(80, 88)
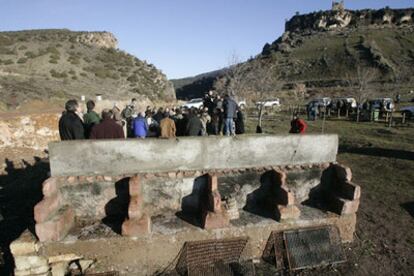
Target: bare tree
(233, 82)
(299, 92)
(363, 78)
(253, 80)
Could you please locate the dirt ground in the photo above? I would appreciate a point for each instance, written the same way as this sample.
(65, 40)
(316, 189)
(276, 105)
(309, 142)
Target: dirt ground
(382, 161)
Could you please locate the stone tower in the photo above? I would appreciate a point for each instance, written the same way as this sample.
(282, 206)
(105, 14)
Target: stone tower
(338, 6)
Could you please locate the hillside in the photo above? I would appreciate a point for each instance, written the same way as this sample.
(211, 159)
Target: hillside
(325, 51)
(196, 86)
(55, 65)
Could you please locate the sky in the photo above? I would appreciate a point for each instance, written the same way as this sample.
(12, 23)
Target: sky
(182, 38)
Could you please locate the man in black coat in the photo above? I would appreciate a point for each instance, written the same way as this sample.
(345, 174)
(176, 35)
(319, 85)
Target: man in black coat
(239, 121)
(194, 125)
(70, 124)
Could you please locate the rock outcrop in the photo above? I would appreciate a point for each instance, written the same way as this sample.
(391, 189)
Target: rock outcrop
(339, 18)
(99, 39)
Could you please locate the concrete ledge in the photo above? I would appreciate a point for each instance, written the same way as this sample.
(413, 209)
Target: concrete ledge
(116, 157)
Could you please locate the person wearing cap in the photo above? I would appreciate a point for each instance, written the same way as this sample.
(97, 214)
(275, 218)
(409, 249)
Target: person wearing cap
(107, 128)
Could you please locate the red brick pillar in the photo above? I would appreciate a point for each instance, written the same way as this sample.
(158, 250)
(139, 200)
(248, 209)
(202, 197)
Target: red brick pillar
(214, 214)
(138, 223)
(343, 195)
(53, 219)
(283, 198)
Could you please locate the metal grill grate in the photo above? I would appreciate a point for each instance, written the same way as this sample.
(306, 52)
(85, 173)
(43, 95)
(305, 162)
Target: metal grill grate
(109, 273)
(313, 247)
(210, 257)
(216, 269)
(275, 250)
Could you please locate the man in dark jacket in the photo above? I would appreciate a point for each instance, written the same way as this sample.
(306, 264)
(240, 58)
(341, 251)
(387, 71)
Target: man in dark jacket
(208, 102)
(70, 124)
(108, 128)
(239, 121)
(230, 107)
(91, 118)
(194, 124)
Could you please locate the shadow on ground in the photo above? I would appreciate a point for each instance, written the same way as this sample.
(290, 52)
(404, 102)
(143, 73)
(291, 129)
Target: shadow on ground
(409, 207)
(20, 191)
(379, 152)
(116, 209)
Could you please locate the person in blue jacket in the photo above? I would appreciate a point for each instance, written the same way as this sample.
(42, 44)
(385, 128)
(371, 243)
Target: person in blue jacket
(140, 126)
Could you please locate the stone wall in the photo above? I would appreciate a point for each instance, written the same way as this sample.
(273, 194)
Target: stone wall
(92, 196)
(33, 131)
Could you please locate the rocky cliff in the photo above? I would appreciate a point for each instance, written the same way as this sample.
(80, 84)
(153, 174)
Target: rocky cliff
(329, 51)
(340, 18)
(98, 39)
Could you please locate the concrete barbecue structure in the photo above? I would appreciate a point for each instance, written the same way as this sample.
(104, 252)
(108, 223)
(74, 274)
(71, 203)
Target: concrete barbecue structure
(155, 195)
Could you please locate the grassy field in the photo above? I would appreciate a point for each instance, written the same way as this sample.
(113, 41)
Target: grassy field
(382, 162)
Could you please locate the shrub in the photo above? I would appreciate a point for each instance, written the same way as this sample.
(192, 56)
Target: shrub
(72, 39)
(74, 77)
(7, 51)
(101, 72)
(72, 72)
(52, 50)
(5, 41)
(74, 60)
(53, 61)
(22, 39)
(8, 62)
(133, 78)
(23, 47)
(55, 56)
(22, 60)
(30, 54)
(83, 74)
(86, 59)
(59, 75)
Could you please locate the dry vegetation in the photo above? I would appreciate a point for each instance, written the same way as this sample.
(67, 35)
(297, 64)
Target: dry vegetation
(54, 64)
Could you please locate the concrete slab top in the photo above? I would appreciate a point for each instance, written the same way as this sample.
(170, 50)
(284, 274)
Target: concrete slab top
(117, 157)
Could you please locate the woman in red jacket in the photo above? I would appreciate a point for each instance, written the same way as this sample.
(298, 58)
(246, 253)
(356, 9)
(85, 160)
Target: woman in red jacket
(298, 125)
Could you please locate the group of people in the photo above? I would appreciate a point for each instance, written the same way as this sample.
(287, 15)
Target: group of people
(344, 107)
(74, 125)
(217, 116)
